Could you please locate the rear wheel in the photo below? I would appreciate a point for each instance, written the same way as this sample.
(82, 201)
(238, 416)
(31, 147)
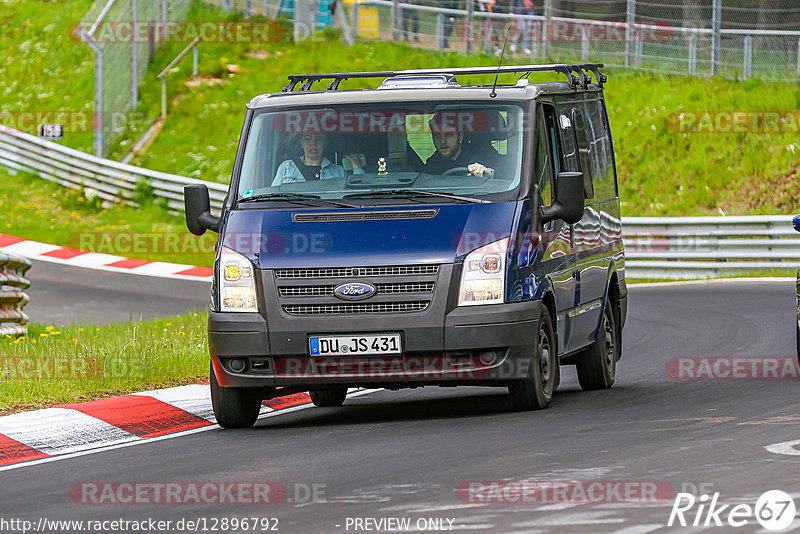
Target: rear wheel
(535, 391)
(325, 398)
(597, 365)
(234, 407)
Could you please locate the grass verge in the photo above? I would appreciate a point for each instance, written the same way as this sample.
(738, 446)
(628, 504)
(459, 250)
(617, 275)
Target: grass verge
(55, 365)
(39, 210)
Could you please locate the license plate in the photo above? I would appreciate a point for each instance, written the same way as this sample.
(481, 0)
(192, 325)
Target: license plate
(355, 345)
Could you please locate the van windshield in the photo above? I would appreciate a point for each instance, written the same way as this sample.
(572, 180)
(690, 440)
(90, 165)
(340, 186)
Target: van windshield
(360, 150)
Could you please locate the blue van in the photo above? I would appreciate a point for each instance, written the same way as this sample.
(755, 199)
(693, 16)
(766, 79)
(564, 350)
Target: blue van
(422, 233)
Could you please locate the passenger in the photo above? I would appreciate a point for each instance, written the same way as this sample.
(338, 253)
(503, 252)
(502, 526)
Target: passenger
(451, 153)
(312, 165)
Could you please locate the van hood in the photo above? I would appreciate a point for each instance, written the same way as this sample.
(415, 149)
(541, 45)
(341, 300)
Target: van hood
(273, 238)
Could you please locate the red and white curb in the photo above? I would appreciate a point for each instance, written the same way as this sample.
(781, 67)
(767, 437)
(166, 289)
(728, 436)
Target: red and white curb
(103, 262)
(76, 429)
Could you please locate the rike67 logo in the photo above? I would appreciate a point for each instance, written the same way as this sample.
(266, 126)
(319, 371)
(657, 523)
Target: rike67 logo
(774, 510)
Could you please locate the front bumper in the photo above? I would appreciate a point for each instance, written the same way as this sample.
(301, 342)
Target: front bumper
(480, 345)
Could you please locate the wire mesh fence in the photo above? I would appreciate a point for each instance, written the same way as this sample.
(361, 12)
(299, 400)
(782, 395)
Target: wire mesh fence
(123, 35)
(730, 38)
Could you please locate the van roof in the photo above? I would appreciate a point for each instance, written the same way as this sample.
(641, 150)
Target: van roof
(416, 84)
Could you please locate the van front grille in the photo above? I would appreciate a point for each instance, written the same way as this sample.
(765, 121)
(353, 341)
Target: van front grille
(399, 289)
(344, 272)
(327, 291)
(344, 309)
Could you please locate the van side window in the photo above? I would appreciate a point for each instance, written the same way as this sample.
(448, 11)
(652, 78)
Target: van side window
(544, 160)
(579, 129)
(600, 152)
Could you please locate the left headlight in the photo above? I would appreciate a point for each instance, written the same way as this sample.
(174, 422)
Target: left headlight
(483, 277)
(237, 286)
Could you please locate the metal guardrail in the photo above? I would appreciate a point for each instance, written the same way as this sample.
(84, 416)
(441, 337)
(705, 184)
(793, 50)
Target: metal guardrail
(706, 247)
(655, 247)
(110, 180)
(13, 321)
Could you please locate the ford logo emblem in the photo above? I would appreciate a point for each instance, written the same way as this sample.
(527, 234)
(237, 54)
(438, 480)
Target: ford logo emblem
(354, 291)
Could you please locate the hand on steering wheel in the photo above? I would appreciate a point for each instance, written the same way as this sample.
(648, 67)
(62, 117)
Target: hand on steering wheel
(456, 170)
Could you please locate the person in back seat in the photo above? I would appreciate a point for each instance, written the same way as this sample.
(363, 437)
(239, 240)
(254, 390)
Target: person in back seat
(313, 165)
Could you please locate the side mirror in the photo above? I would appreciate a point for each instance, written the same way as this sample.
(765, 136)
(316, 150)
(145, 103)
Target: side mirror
(796, 222)
(569, 200)
(198, 210)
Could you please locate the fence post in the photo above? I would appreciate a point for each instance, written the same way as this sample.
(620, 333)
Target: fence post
(630, 19)
(248, 9)
(395, 13)
(692, 53)
(584, 43)
(716, 41)
(134, 57)
(548, 30)
(98, 103)
(748, 56)
(164, 12)
(470, 20)
(439, 30)
(639, 47)
(194, 60)
(164, 98)
(798, 56)
(355, 18)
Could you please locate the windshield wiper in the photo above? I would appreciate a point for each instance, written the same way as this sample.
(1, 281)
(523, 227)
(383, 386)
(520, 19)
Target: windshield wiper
(414, 192)
(293, 196)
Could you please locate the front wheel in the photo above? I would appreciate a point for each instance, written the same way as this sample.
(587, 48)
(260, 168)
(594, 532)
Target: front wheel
(535, 391)
(234, 407)
(325, 398)
(597, 364)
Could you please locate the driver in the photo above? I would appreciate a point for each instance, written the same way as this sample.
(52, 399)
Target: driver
(451, 153)
(311, 164)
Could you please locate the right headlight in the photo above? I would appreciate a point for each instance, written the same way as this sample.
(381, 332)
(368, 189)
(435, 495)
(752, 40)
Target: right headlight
(483, 277)
(237, 286)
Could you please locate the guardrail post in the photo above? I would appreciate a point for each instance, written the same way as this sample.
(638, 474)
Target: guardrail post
(692, 53)
(716, 41)
(748, 56)
(134, 57)
(630, 19)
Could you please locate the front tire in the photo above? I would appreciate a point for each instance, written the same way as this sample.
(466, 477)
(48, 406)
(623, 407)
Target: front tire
(234, 407)
(597, 364)
(326, 398)
(535, 391)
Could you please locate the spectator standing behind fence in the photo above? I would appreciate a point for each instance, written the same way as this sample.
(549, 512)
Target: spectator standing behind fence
(496, 27)
(448, 19)
(525, 26)
(410, 19)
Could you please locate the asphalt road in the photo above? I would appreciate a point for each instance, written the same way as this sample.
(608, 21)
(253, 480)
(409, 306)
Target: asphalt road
(61, 294)
(402, 454)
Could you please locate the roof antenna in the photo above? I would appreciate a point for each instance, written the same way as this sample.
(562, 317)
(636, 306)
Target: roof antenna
(505, 42)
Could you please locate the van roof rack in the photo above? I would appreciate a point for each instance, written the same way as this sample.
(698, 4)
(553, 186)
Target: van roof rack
(577, 74)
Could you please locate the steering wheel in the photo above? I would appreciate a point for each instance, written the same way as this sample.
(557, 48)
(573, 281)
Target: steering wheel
(456, 170)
